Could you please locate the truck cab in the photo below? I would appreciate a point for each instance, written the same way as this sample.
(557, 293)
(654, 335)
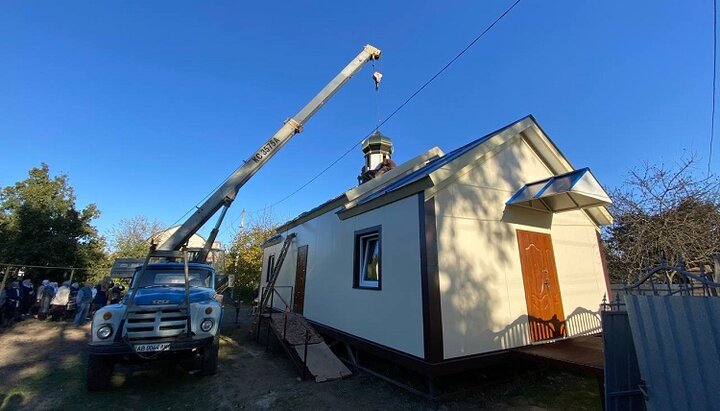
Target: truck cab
(154, 321)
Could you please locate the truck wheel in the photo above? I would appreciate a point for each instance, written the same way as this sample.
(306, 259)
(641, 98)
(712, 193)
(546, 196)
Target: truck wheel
(99, 371)
(209, 358)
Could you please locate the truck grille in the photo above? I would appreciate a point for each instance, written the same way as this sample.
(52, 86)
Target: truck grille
(152, 323)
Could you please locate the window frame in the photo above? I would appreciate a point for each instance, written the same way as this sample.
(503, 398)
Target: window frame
(359, 256)
(270, 267)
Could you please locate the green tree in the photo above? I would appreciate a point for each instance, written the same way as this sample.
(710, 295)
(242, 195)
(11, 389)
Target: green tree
(244, 259)
(129, 238)
(663, 212)
(40, 225)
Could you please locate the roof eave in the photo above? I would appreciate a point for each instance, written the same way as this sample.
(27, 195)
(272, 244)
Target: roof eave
(391, 197)
(330, 205)
(349, 198)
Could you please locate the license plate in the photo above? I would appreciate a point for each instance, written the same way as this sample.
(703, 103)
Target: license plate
(151, 347)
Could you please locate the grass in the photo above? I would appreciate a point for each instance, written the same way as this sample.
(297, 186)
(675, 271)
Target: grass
(551, 389)
(63, 387)
(60, 378)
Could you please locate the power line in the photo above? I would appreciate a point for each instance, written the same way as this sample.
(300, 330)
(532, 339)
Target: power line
(394, 112)
(197, 205)
(714, 77)
(400, 107)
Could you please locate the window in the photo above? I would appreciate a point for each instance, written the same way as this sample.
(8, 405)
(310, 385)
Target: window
(368, 261)
(173, 278)
(270, 266)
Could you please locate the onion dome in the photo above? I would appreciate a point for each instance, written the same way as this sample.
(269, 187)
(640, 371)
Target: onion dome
(377, 142)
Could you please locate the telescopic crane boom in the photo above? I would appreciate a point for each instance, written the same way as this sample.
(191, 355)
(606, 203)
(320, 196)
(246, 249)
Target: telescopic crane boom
(224, 196)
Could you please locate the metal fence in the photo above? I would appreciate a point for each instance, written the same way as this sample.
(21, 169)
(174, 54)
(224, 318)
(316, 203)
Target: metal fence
(661, 338)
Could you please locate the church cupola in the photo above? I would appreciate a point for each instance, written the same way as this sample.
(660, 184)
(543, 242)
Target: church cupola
(378, 149)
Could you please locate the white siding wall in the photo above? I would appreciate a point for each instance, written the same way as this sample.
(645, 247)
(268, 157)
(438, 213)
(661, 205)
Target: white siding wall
(580, 271)
(392, 316)
(482, 295)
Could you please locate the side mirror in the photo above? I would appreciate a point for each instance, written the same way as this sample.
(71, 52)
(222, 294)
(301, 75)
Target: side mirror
(219, 298)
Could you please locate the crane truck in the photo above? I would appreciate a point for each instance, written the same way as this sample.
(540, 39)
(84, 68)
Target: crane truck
(171, 310)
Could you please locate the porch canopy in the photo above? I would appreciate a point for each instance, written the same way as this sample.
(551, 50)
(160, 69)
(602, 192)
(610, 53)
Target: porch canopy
(575, 190)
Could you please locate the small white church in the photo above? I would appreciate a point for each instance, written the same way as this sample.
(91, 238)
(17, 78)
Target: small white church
(451, 256)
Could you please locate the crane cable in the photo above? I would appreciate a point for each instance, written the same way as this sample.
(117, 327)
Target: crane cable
(397, 110)
(377, 77)
(380, 123)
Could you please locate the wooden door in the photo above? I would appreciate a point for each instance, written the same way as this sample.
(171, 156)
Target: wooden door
(542, 291)
(300, 272)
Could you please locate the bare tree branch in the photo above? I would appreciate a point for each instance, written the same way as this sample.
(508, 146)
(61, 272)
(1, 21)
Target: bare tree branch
(663, 212)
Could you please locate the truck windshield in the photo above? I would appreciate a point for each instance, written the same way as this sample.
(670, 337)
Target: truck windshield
(173, 278)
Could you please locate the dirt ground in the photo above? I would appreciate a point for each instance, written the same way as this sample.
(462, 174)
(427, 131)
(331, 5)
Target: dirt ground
(42, 366)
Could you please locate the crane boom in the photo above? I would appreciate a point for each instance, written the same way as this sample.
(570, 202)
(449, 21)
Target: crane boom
(226, 193)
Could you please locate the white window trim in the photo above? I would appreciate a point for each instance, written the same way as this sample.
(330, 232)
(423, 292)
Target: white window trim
(366, 254)
(363, 252)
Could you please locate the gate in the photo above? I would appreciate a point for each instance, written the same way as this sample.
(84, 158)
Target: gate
(622, 375)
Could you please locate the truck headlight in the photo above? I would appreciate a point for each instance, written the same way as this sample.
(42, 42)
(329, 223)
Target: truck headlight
(206, 325)
(104, 332)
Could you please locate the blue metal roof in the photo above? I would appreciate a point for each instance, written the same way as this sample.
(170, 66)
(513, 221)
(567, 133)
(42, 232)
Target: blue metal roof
(433, 165)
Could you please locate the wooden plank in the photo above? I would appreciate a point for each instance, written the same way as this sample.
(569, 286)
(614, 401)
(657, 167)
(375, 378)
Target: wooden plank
(322, 363)
(579, 353)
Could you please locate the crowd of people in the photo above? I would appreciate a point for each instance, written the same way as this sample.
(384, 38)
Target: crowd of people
(51, 301)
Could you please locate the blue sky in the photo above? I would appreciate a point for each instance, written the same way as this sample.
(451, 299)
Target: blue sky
(147, 106)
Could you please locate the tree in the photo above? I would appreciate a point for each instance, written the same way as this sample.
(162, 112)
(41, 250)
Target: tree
(39, 225)
(662, 212)
(244, 259)
(129, 238)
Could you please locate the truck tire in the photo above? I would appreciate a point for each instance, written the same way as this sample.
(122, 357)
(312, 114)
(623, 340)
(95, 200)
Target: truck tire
(99, 371)
(209, 358)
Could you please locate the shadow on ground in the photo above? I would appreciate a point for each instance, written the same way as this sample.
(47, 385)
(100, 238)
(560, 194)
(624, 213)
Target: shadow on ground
(43, 367)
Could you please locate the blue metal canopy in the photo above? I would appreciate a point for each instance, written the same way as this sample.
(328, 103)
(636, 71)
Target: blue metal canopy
(575, 190)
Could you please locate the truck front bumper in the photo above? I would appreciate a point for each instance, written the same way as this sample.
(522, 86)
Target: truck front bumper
(124, 348)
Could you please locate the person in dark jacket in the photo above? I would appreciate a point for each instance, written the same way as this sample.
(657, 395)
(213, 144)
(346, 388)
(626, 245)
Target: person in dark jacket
(101, 295)
(13, 298)
(116, 293)
(28, 296)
